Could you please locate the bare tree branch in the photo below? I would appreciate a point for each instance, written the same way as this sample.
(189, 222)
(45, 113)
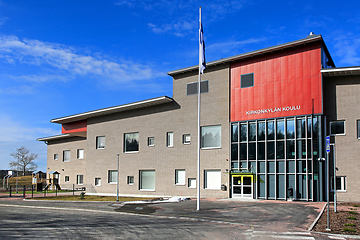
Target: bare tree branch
(24, 160)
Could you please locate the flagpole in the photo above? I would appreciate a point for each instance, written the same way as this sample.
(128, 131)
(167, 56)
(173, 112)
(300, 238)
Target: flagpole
(199, 130)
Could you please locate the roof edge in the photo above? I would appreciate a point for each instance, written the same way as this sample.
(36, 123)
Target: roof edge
(55, 137)
(308, 39)
(119, 108)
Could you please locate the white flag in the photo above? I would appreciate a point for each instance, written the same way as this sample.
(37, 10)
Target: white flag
(202, 49)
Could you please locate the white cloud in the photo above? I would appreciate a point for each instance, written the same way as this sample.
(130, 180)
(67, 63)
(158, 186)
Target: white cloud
(14, 131)
(66, 59)
(230, 46)
(347, 48)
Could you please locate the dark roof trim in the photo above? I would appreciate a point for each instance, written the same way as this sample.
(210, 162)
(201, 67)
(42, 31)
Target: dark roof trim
(110, 110)
(56, 137)
(309, 39)
(341, 71)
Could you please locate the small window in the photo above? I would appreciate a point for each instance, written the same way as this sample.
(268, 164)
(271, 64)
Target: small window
(98, 182)
(80, 179)
(131, 142)
(192, 88)
(211, 137)
(337, 128)
(358, 128)
(192, 182)
(130, 180)
(340, 183)
(112, 176)
(180, 177)
(213, 179)
(55, 157)
(100, 142)
(186, 139)
(247, 80)
(66, 156)
(80, 154)
(147, 180)
(151, 141)
(170, 139)
(67, 179)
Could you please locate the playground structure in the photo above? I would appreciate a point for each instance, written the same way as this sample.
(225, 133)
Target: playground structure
(39, 181)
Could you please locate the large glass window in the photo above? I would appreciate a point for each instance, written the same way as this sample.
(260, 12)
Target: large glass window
(337, 127)
(100, 142)
(112, 176)
(131, 142)
(213, 179)
(147, 180)
(247, 80)
(66, 156)
(211, 137)
(192, 88)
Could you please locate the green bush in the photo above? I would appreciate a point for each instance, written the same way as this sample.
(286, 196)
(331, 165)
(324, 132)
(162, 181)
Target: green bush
(351, 217)
(349, 230)
(352, 212)
(349, 224)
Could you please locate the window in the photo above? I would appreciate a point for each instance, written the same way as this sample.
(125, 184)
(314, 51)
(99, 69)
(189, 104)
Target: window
(337, 127)
(247, 80)
(67, 179)
(192, 182)
(112, 176)
(98, 182)
(180, 177)
(170, 139)
(340, 183)
(130, 180)
(358, 128)
(66, 156)
(100, 142)
(55, 157)
(151, 141)
(147, 180)
(131, 142)
(186, 139)
(192, 88)
(80, 154)
(80, 179)
(213, 179)
(211, 137)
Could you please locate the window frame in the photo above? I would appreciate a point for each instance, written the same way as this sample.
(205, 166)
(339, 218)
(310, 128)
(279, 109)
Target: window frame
(358, 128)
(337, 134)
(97, 182)
(80, 179)
(110, 176)
(78, 153)
(202, 136)
(206, 177)
(183, 177)
(241, 80)
(149, 141)
(67, 179)
(125, 141)
(343, 184)
(204, 87)
(56, 156)
(185, 141)
(98, 146)
(141, 183)
(190, 184)
(66, 160)
(130, 180)
(170, 139)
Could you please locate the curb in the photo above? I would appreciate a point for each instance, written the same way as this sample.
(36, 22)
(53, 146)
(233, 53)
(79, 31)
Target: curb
(317, 219)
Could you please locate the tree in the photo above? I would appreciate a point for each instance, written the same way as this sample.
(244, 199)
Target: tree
(24, 160)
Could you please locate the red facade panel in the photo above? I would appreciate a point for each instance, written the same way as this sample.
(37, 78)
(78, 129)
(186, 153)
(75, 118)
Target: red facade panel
(74, 127)
(285, 84)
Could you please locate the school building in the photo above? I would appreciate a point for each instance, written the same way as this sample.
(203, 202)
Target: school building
(265, 116)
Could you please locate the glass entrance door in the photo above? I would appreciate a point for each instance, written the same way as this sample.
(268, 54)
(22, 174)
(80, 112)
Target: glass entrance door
(242, 186)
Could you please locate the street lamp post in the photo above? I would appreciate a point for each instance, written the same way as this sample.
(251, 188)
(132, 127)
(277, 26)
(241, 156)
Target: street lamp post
(117, 181)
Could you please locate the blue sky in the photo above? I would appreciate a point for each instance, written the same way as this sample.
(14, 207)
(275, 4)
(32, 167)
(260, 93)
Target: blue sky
(59, 58)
